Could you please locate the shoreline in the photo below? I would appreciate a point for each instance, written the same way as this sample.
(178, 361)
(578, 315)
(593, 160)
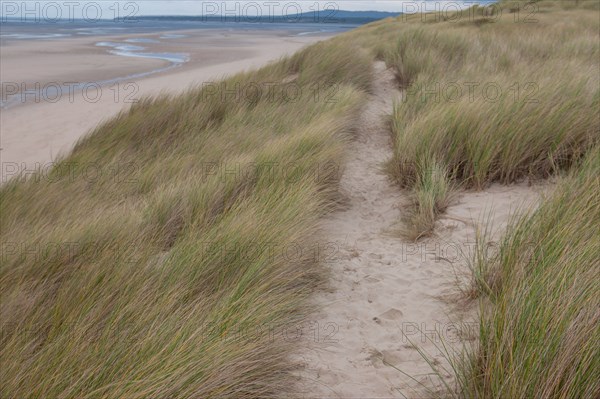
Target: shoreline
(37, 133)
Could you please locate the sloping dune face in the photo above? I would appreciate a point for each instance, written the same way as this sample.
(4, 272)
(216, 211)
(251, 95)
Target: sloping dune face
(163, 255)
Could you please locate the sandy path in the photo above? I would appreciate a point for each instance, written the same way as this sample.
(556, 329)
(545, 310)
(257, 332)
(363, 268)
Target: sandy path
(388, 296)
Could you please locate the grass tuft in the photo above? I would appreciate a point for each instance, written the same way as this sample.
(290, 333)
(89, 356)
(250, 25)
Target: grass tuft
(432, 194)
(539, 331)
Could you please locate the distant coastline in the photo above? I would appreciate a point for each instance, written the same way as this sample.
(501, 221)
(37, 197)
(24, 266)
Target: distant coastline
(321, 17)
(23, 30)
(318, 17)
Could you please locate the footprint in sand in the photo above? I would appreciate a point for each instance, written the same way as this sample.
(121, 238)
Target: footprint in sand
(372, 280)
(392, 358)
(403, 282)
(392, 314)
(375, 358)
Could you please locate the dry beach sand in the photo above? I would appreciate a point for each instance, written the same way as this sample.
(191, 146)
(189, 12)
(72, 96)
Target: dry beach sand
(35, 133)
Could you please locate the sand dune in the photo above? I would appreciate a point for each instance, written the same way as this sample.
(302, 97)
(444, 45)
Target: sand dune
(205, 307)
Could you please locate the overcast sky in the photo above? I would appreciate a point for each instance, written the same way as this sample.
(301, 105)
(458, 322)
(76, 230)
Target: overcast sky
(109, 9)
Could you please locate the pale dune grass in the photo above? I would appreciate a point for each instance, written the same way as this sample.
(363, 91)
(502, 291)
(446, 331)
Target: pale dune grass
(490, 98)
(540, 325)
(170, 275)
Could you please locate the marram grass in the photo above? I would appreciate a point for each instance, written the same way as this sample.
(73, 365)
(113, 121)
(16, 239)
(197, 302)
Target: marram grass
(176, 271)
(540, 323)
(514, 98)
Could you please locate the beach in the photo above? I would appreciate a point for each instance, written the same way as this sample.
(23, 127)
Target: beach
(61, 89)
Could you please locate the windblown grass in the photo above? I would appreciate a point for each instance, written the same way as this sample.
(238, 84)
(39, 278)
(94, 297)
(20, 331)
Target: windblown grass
(492, 98)
(539, 334)
(166, 254)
